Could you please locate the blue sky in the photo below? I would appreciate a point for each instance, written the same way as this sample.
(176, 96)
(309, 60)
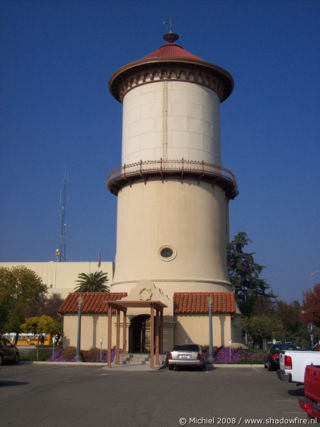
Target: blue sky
(56, 113)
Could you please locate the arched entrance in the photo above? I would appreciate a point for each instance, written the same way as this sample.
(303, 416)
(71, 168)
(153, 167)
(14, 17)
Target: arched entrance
(139, 334)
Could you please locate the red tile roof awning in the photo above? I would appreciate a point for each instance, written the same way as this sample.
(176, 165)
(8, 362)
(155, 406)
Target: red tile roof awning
(184, 302)
(93, 302)
(197, 302)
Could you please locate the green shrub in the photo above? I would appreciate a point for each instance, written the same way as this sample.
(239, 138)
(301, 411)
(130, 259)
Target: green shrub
(69, 353)
(90, 355)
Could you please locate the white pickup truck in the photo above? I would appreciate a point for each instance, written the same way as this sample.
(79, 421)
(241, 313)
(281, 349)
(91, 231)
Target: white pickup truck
(293, 364)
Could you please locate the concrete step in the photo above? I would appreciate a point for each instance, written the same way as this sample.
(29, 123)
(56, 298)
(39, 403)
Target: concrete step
(138, 358)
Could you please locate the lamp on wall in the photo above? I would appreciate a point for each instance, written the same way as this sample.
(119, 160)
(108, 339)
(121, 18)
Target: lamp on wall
(80, 301)
(101, 341)
(210, 301)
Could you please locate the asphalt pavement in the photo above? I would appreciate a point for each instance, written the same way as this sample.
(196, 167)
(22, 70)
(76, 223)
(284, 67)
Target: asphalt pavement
(83, 396)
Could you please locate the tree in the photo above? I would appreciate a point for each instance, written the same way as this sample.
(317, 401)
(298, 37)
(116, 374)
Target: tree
(92, 282)
(244, 274)
(311, 306)
(47, 306)
(42, 324)
(289, 316)
(30, 325)
(260, 327)
(52, 305)
(19, 286)
(48, 325)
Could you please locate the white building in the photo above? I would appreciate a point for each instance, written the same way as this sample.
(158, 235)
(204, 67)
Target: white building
(173, 193)
(60, 277)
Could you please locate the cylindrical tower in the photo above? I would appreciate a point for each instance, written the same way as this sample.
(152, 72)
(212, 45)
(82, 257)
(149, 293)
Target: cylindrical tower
(172, 223)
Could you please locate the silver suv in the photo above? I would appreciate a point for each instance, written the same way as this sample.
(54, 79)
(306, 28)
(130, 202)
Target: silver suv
(186, 355)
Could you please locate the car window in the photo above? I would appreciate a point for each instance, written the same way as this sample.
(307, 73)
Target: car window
(289, 347)
(277, 348)
(187, 347)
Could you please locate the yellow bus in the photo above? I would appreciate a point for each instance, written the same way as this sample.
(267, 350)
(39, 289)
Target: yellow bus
(29, 338)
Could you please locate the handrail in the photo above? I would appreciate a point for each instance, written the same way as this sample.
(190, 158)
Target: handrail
(171, 166)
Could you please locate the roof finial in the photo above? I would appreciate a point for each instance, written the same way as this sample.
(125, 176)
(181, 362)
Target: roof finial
(170, 23)
(170, 37)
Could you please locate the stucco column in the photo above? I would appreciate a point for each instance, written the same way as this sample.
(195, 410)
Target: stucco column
(151, 337)
(161, 331)
(124, 333)
(109, 334)
(157, 336)
(117, 337)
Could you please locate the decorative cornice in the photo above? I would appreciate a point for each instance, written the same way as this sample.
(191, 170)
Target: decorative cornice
(183, 70)
(170, 72)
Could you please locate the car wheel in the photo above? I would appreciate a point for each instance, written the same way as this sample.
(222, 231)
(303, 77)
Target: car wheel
(16, 360)
(170, 367)
(269, 366)
(1, 359)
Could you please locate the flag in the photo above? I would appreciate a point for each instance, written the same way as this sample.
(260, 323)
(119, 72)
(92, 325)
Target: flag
(99, 259)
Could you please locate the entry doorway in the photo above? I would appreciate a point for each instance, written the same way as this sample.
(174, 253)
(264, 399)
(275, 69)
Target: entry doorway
(139, 334)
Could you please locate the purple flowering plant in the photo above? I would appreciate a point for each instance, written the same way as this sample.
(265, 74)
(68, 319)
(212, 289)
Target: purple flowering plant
(236, 355)
(93, 355)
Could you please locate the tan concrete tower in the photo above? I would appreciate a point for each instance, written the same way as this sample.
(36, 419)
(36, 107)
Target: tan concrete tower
(173, 193)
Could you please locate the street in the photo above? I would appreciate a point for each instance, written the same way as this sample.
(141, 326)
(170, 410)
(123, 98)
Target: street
(67, 396)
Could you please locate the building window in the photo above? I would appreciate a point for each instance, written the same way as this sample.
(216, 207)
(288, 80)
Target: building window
(167, 253)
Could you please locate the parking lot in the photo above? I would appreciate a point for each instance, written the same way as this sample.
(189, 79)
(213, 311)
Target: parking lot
(52, 395)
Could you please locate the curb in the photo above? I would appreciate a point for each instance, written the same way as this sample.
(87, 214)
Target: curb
(233, 365)
(140, 367)
(99, 365)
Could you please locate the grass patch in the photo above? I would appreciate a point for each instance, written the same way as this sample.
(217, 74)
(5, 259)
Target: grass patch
(34, 355)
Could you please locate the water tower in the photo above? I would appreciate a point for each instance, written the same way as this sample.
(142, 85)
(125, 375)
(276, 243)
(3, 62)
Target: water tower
(173, 193)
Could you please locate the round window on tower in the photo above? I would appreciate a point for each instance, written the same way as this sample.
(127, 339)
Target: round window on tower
(167, 253)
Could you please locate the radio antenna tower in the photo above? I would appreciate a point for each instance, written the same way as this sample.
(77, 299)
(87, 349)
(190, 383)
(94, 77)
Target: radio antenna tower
(61, 253)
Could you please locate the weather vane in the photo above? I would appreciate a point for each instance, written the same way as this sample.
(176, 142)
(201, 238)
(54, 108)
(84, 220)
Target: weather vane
(170, 24)
(170, 36)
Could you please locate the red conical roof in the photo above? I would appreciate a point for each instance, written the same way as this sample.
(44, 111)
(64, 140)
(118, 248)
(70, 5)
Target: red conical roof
(171, 50)
(170, 53)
